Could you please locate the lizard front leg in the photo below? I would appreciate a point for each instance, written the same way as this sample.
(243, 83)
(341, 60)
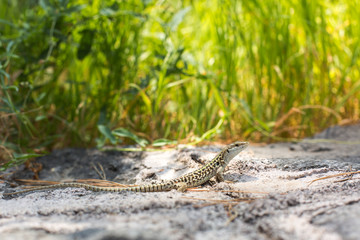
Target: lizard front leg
(219, 177)
(219, 174)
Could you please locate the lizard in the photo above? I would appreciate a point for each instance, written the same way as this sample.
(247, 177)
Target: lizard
(213, 168)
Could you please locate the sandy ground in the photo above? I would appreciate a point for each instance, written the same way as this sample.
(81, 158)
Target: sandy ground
(266, 196)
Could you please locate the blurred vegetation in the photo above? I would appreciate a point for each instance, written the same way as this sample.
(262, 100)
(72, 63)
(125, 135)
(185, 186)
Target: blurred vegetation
(87, 73)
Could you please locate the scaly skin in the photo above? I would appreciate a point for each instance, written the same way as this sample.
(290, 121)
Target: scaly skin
(214, 168)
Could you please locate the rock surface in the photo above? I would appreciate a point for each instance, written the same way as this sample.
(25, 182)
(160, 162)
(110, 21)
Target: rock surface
(269, 196)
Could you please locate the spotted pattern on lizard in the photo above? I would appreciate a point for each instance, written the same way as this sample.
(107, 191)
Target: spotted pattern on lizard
(214, 168)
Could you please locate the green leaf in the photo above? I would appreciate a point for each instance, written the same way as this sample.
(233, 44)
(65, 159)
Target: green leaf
(12, 87)
(163, 142)
(4, 73)
(40, 117)
(263, 125)
(208, 134)
(145, 98)
(106, 132)
(100, 142)
(9, 46)
(107, 12)
(19, 158)
(25, 156)
(122, 132)
(218, 98)
(178, 18)
(40, 97)
(7, 103)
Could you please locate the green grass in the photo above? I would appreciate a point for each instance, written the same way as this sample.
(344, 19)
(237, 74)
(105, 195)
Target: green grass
(84, 74)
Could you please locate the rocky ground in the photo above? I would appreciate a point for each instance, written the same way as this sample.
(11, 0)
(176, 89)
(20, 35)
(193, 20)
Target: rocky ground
(267, 194)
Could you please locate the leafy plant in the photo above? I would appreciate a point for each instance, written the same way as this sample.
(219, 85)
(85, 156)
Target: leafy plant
(77, 73)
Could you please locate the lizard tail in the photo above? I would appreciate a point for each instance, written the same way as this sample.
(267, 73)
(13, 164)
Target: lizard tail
(68, 185)
(142, 188)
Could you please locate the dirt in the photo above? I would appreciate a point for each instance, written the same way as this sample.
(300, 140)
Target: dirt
(266, 194)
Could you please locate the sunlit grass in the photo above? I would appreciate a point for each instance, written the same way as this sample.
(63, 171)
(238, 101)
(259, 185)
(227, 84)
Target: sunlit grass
(78, 74)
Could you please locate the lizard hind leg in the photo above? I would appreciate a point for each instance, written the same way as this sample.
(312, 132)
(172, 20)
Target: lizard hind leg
(181, 186)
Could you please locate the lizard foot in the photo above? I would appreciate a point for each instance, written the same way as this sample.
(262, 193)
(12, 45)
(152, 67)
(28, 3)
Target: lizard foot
(219, 177)
(181, 186)
(211, 182)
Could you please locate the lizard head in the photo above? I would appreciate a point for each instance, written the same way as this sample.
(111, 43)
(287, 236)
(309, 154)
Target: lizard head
(234, 149)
